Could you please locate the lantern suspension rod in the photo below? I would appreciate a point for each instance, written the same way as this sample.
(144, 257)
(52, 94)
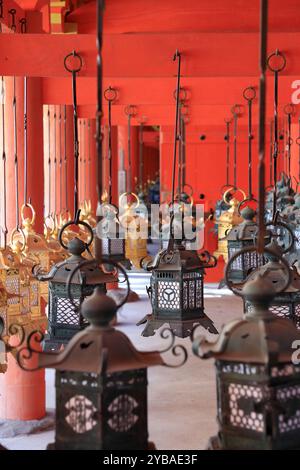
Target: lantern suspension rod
(288, 110)
(130, 111)
(16, 151)
(65, 158)
(227, 138)
(183, 154)
(110, 94)
(60, 160)
(55, 161)
(141, 148)
(4, 226)
(262, 122)
(275, 68)
(177, 56)
(271, 151)
(249, 95)
(298, 143)
(100, 6)
(74, 69)
(84, 159)
(49, 160)
(89, 158)
(234, 111)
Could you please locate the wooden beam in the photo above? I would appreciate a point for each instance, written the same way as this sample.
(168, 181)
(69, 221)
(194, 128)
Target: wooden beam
(159, 91)
(145, 55)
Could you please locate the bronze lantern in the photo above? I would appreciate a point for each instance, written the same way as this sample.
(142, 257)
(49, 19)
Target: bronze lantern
(176, 290)
(286, 303)
(101, 383)
(64, 320)
(258, 386)
(243, 236)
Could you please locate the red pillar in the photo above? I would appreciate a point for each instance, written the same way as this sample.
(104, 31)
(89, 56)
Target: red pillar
(22, 393)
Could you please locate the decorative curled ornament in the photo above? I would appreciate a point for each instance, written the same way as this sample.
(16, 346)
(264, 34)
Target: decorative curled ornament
(177, 350)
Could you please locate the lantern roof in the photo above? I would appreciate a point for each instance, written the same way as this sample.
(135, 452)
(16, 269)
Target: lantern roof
(92, 275)
(177, 258)
(261, 337)
(99, 348)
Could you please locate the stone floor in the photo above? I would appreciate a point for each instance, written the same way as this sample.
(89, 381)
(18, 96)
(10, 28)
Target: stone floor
(182, 402)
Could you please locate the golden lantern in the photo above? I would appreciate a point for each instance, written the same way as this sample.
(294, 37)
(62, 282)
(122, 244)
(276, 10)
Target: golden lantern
(227, 220)
(136, 228)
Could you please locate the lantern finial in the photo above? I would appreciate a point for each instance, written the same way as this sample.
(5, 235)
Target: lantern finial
(99, 309)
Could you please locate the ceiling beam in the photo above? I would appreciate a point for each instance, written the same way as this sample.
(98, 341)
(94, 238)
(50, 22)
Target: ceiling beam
(145, 55)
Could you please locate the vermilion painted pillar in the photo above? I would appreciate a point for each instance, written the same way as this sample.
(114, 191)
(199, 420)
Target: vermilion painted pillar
(22, 394)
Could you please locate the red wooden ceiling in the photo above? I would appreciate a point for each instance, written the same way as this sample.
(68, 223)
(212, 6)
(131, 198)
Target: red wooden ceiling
(218, 40)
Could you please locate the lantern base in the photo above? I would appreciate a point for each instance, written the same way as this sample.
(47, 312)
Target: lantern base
(180, 328)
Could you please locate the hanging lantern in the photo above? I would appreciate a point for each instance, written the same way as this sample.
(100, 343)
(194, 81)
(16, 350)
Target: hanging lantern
(227, 220)
(136, 229)
(258, 385)
(63, 319)
(242, 236)
(176, 291)
(101, 389)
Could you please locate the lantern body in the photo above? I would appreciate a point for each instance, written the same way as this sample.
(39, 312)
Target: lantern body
(176, 293)
(258, 406)
(227, 220)
(115, 249)
(63, 319)
(101, 412)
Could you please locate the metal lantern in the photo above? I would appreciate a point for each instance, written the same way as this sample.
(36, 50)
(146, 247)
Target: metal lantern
(227, 220)
(63, 319)
(136, 229)
(258, 386)
(113, 245)
(101, 385)
(285, 304)
(176, 291)
(243, 236)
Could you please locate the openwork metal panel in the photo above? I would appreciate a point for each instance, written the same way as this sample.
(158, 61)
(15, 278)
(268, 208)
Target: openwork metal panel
(281, 310)
(169, 295)
(81, 414)
(65, 313)
(289, 398)
(101, 411)
(239, 416)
